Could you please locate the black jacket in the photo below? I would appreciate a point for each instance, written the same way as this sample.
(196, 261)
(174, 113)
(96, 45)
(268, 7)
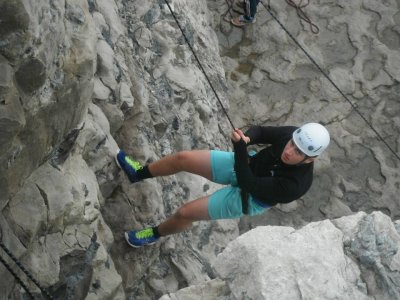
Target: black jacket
(266, 177)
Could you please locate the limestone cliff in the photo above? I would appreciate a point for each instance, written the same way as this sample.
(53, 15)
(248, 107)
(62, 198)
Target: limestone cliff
(353, 257)
(80, 79)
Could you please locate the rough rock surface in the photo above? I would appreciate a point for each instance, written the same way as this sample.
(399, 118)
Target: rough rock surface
(81, 78)
(353, 257)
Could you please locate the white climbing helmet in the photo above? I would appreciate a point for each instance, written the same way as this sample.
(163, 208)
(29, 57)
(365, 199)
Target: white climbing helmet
(311, 138)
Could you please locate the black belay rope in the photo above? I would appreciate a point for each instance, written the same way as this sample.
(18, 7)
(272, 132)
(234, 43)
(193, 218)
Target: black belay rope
(199, 63)
(228, 11)
(21, 283)
(244, 195)
(27, 273)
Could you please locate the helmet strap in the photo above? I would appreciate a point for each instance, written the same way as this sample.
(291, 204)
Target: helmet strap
(304, 159)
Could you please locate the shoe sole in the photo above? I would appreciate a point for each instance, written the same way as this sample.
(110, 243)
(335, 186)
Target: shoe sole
(134, 246)
(116, 159)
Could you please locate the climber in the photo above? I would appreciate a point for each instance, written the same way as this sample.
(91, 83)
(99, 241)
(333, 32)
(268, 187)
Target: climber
(249, 16)
(280, 173)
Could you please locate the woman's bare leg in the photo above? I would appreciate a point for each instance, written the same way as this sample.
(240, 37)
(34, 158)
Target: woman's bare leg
(195, 210)
(195, 162)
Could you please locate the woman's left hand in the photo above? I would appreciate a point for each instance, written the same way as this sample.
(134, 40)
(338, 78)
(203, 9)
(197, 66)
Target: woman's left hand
(237, 134)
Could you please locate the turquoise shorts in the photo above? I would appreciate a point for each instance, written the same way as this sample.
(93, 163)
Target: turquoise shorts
(226, 202)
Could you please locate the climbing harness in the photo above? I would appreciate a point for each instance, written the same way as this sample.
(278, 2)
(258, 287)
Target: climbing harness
(244, 197)
(27, 273)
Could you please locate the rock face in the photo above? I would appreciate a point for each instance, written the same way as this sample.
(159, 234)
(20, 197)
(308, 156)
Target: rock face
(81, 78)
(50, 198)
(354, 257)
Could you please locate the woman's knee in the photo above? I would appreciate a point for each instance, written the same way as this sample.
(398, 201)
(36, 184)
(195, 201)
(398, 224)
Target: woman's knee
(184, 212)
(183, 156)
(194, 211)
(182, 160)
(195, 161)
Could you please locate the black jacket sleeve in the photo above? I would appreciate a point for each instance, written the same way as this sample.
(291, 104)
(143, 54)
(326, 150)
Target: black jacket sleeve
(270, 190)
(267, 134)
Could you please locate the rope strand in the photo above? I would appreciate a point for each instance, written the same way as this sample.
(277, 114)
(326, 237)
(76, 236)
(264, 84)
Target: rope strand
(302, 15)
(228, 11)
(27, 273)
(199, 63)
(7, 266)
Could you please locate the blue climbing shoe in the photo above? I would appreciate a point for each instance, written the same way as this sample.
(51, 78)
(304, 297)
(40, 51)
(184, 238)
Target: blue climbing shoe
(140, 238)
(128, 165)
